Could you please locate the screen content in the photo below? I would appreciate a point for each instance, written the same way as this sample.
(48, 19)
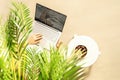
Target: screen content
(50, 17)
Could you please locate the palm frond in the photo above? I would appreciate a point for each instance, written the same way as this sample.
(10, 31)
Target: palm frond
(18, 28)
(31, 60)
(53, 65)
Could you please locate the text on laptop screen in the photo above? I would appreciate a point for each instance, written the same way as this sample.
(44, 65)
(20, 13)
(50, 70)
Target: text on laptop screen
(50, 17)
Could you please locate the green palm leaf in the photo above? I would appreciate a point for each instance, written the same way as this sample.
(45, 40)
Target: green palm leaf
(18, 28)
(53, 65)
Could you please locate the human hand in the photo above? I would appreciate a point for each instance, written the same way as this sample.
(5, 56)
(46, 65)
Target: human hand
(59, 43)
(35, 38)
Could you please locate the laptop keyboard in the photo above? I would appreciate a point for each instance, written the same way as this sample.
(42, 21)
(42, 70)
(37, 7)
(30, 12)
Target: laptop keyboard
(47, 33)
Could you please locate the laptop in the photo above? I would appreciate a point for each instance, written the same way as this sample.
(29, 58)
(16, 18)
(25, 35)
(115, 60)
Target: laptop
(50, 24)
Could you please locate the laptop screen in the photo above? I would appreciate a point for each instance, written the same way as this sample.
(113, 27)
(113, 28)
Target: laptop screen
(50, 17)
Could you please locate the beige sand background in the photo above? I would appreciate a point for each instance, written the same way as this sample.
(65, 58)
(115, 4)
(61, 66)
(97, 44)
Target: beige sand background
(99, 19)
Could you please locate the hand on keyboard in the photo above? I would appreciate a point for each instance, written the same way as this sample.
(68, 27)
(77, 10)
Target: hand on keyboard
(34, 38)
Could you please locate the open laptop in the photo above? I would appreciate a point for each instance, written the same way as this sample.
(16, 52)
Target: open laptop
(50, 24)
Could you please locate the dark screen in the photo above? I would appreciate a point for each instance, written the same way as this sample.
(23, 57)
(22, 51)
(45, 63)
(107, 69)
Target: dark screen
(50, 17)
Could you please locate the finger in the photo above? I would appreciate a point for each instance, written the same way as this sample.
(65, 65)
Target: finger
(38, 35)
(37, 40)
(59, 44)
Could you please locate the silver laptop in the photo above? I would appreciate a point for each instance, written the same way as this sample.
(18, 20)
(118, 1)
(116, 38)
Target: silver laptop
(49, 23)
